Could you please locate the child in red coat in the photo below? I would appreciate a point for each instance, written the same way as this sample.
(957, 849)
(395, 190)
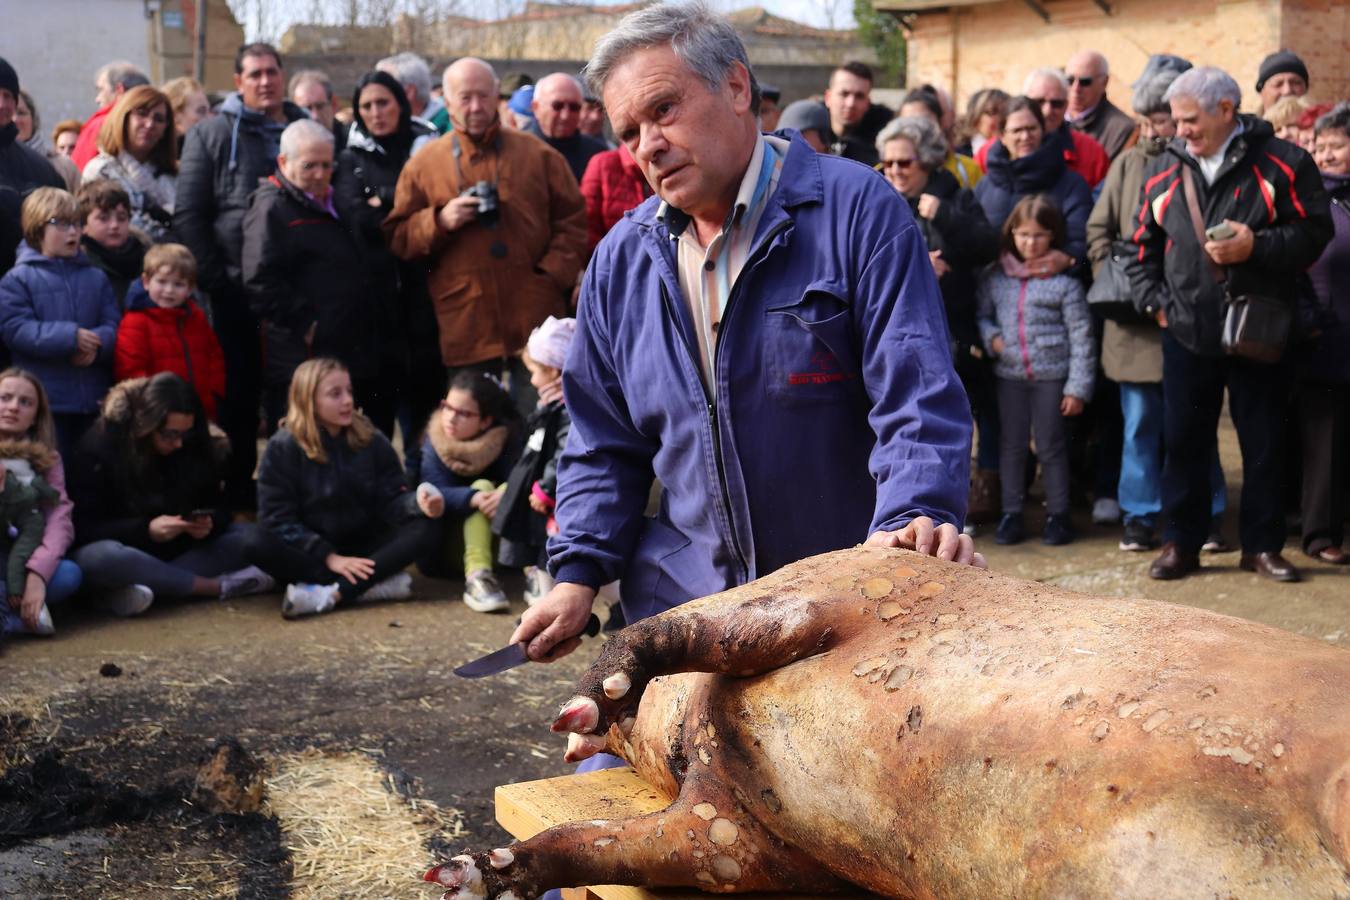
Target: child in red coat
(164, 331)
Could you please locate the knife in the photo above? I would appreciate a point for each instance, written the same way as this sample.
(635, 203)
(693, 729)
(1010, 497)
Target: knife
(512, 655)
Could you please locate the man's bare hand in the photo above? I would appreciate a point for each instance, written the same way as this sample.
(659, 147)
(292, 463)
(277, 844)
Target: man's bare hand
(1234, 250)
(87, 341)
(457, 213)
(943, 541)
(551, 627)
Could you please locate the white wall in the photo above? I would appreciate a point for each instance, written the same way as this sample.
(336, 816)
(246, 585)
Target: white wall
(56, 46)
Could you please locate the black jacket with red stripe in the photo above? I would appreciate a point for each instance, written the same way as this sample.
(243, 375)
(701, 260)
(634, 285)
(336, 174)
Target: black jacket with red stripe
(1271, 186)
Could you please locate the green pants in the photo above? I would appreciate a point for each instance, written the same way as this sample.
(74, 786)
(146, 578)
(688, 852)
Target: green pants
(478, 550)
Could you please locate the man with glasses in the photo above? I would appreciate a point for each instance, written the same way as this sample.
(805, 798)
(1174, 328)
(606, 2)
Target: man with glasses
(1050, 90)
(1089, 111)
(312, 91)
(557, 106)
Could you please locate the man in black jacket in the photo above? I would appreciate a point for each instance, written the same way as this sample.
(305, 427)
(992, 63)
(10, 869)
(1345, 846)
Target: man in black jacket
(854, 119)
(1267, 200)
(224, 160)
(304, 272)
(21, 168)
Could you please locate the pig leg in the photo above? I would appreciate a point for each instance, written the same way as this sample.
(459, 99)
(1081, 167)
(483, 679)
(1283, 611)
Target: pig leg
(704, 840)
(729, 633)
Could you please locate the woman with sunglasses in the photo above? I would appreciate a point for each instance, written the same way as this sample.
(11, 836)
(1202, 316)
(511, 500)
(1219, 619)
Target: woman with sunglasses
(150, 518)
(960, 242)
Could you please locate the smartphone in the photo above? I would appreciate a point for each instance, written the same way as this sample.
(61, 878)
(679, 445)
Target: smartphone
(1221, 232)
(201, 514)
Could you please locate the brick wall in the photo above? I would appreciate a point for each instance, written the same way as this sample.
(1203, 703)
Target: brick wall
(997, 44)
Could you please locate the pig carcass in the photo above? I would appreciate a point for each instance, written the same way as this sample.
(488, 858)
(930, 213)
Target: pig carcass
(880, 720)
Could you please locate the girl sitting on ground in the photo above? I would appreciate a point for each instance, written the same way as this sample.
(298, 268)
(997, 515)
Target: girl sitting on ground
(150, 519)
(1039, 332)
(471, 443)
(26, 417)
(338, 521)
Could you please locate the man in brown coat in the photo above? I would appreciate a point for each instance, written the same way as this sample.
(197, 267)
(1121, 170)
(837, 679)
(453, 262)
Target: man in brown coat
(503, 258)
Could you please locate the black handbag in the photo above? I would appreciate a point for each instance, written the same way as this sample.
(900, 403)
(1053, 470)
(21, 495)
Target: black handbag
(1112, 295)
(1255, 327)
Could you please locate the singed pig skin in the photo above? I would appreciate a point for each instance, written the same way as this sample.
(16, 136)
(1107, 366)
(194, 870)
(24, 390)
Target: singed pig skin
(885, 720)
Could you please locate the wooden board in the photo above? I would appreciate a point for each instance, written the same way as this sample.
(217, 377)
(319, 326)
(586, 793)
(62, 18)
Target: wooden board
(530, 807)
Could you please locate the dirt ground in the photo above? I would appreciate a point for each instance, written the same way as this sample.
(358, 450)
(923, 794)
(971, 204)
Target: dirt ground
(378, 758)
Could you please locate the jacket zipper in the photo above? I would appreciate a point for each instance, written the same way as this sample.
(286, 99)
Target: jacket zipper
(751, 259)
(1022, 330)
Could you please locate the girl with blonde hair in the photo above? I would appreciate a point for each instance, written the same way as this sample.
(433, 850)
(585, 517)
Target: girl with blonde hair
(338, 521)
(26, 419)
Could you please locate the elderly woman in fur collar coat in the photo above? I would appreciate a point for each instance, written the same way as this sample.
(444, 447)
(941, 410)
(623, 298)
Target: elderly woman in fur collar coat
(472, 443)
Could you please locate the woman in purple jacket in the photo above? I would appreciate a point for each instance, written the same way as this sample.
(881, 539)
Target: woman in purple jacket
(25, 415)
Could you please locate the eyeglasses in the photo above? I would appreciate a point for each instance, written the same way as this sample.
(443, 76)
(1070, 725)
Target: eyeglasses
(569, 105)
(456, 413)
(901, 164)
(67, 224)
(171, 435)
(1081, 81)
(1046, 101)
(1032, 235)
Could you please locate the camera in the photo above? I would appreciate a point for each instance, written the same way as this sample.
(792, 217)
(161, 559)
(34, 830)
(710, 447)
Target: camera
(488, 209)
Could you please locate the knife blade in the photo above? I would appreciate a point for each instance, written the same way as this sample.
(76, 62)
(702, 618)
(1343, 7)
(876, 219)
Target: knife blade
(512, 655)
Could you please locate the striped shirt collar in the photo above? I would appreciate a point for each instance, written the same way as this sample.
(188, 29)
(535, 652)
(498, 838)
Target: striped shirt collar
(753, 192)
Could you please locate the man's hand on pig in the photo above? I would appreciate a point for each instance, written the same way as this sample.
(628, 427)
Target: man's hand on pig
(944, 541)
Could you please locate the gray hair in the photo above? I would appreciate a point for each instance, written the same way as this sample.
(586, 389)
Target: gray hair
(1159, 72)
(301, 133)
(1338, 119)
(923, 133)
(311, 75)
(1045, 72)
(121, 72)
(409, 69)
(1206, 85)
(703, 40)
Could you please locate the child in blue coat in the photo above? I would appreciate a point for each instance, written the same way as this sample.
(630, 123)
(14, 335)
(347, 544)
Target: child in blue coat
(59, 315)
(1039, 333)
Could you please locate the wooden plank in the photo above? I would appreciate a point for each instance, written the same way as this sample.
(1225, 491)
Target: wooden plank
(527, 808)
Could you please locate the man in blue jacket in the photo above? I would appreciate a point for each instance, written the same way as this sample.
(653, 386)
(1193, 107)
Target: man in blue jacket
(765, 337)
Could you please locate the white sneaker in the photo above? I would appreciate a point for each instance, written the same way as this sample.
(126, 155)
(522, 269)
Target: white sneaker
(44, 622)
(395, 587)
(131, 600)
(308, 599)
(1105, 511)
(483, 594)
(537, 584)
(251, 580)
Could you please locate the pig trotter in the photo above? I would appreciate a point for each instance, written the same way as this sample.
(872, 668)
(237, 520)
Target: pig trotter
(729, 634)
(712, 844)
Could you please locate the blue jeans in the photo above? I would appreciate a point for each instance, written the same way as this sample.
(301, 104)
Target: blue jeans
(1141, 458)
(65, 581)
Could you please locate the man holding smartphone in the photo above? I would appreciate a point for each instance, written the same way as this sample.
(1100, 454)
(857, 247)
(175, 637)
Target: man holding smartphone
(1265, 218)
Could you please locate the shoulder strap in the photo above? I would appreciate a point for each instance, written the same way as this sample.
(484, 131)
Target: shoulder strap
(1197, 220)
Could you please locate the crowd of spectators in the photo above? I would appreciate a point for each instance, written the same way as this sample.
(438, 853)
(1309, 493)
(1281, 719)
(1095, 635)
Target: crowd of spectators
(184, 276)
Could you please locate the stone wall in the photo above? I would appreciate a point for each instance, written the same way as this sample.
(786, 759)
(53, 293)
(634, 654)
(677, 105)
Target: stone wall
(997, 44)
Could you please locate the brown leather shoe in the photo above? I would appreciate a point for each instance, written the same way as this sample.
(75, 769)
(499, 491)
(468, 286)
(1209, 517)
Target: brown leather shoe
(1173, 563)
(1269, 565)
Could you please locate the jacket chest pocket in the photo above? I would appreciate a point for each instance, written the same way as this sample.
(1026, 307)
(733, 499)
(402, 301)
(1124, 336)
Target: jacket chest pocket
(810, 350)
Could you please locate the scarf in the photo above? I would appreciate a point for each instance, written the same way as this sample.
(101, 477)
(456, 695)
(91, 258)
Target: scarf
(146, 179)
(470, 457)
(1013, 267)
